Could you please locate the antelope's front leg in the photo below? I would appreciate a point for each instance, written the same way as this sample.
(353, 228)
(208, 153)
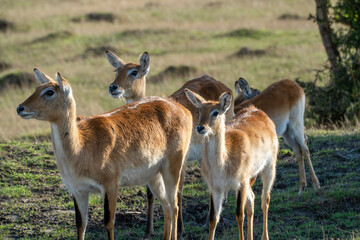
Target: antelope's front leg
(216, 200)
(109, 211)
(81, 203)
(240, 206)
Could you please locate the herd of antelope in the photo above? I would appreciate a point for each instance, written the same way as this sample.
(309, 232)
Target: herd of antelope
(148, 140)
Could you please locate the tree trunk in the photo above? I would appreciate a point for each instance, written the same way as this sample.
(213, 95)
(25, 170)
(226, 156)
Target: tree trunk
(323, 22)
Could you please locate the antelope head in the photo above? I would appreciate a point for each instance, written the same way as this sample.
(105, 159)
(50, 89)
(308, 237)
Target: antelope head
(244, 91)
(211, 113)
(130, 77)
(49, 99)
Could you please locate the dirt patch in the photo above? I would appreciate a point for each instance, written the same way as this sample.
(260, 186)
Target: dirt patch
(100, 17)
(289, 16)
(5, 25)
(181, 71)
(54, 36)
(215, 4)
(98, 51)
(19, 79)
(245, 32)
(152, 5)
(4, 66)
(142, 32)
(247, 52)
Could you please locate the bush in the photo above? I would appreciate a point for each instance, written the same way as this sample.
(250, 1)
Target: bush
(340, 98)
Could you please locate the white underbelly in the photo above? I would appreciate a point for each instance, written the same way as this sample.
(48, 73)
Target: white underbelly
(139, 176)
(76, 185)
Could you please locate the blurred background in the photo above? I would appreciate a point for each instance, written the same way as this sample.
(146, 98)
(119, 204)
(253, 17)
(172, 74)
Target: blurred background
(260, 40)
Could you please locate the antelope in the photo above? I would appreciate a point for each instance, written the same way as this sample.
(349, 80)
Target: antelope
(142, 142)
(233, 155)
(130, 83)
(284, 103)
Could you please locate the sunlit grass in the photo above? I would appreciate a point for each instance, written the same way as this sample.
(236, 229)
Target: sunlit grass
(174, 33)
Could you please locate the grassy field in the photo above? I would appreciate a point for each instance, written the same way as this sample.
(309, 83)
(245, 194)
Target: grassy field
(260, 40)
(61, 36)
(35, 205)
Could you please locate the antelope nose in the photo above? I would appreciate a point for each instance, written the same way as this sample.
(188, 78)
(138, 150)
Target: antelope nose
(200, 128)
(20, 109)
(113, 87)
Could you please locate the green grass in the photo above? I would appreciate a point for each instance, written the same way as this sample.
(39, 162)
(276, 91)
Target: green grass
(35, 205)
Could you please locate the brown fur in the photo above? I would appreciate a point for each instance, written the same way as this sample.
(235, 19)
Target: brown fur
(102, 148)
(284, 103)
(284, 93)
(135, 90)
(133, 87)
(234, 155)
(207, 87)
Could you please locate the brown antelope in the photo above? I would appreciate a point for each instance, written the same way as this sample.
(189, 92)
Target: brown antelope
(134, 88)
(142, 142)
(233, 155)
(130, 81)
(284, 103)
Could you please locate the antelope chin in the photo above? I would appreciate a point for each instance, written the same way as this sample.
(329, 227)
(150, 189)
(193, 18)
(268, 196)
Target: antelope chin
(26, 115)
(116, 94)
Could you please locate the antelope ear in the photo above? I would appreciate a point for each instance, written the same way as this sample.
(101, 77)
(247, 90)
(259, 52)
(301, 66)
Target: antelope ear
(42, 77)
(63, 84)
(237, 88)
(114, 60)
(225, 101)
(244, 85)
(145, 63)
(194, 98)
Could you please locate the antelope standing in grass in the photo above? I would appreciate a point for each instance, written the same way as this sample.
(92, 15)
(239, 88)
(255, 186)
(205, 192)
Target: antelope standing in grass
(284, 103)
(233, 155)
(130, 83)
(143, 142)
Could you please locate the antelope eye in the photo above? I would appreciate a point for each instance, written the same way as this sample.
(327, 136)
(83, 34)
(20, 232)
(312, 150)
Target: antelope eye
(215, 114)
(134, 73)
(49, 93)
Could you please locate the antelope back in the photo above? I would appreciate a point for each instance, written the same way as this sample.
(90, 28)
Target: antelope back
(276, 100)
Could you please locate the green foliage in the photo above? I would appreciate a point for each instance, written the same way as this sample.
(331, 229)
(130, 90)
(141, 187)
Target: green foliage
(340, 98)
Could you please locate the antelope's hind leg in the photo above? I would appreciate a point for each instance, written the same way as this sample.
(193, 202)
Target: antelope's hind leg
(110, 198)
(157, 187)
(173, 179)
(268, 178)
(150, 214)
